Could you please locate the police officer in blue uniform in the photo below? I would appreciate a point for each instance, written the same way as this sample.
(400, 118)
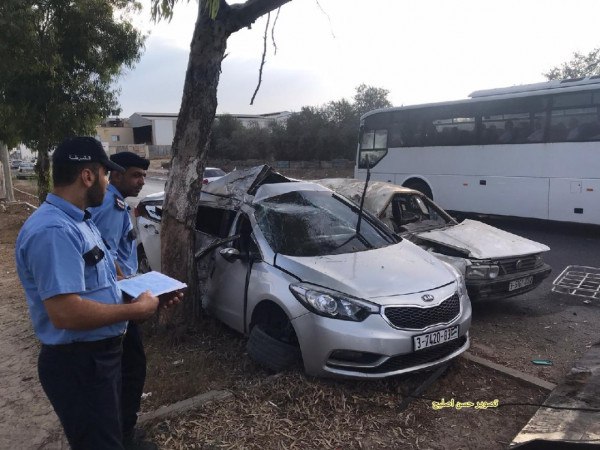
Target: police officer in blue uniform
(76, 308)
(114, 222)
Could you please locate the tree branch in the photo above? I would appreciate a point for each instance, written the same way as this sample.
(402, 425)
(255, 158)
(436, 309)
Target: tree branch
(245, 14)
(262, 62)
(273, 31)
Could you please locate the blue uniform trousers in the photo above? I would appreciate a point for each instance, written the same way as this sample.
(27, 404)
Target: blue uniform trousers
(133, 378)
(83, 383)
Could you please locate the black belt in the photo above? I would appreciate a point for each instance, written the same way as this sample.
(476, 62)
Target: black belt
(89, 346)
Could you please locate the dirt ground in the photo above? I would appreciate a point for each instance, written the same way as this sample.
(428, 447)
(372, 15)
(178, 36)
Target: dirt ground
(265, 411)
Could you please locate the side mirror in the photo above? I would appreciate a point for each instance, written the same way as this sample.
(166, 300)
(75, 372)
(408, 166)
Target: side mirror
(230, 254)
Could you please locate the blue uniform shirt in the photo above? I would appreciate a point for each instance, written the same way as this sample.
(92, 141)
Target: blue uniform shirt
(113, 220)
(53, 257)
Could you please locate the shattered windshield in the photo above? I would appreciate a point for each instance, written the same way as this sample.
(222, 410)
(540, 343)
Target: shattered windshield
(315, 223)
(414, 213)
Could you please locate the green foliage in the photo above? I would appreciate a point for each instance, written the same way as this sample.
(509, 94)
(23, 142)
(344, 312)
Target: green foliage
(60, 59)
(579, 66)
(163, 9)
(368, 98)
(313, 133)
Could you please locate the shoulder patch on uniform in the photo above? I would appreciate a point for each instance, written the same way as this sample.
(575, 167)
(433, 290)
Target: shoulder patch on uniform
(119, 203)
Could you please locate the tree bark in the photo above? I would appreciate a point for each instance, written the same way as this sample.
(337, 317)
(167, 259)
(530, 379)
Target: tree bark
(8, 187)
(189, 148)
(190, 145)
(42, 169)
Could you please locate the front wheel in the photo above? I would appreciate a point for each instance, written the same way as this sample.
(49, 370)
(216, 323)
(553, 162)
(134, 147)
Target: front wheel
(272, 353)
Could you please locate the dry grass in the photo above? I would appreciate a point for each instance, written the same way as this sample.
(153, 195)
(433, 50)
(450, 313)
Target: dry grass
(292, 410)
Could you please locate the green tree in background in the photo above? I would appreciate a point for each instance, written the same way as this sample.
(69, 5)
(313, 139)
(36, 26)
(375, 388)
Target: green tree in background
(60, 59)
(368, 98)
(313, 133)
(579, 66)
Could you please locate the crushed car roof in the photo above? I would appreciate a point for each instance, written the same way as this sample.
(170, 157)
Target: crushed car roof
(240, 185)
(379, 194)
(476, 239)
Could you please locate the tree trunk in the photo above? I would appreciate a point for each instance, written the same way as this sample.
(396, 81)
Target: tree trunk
(198, 108)
(42, 170)
(190, 145)
(8, 187)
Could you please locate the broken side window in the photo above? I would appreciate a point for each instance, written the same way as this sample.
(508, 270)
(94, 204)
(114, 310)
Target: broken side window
(214, 221)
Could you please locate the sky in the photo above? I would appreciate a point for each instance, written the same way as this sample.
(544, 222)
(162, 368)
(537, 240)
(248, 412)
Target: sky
(421, 51)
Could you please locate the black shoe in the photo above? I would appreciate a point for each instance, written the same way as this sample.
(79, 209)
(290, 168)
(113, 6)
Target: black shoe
(136, 440)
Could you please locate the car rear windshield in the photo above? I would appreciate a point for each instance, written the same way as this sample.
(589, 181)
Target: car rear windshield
(316, 223)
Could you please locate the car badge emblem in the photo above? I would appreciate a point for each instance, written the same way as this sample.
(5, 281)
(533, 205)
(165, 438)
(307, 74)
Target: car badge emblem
(427, 298)
(519, 264)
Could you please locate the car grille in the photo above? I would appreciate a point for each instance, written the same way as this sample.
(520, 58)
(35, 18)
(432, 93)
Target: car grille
(414, 359)
(418, 318)
(516, 265)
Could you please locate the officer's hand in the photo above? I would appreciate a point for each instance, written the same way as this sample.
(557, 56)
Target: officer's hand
(170, 299)
(146, 305)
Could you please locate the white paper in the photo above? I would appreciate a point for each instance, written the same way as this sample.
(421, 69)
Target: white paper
(156, 282)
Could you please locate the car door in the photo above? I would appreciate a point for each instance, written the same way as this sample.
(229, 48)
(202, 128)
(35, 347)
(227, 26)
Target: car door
(148, 232)
(230, 275)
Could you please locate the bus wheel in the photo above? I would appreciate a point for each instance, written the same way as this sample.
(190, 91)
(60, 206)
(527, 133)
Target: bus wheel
(421, 186)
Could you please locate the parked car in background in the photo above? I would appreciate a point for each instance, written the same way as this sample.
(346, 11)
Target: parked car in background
(496, 264)
(26, 170)
(290, 267)
(211, 174)
(15, 163)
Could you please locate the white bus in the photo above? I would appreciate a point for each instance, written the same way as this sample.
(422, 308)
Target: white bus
(528, 151)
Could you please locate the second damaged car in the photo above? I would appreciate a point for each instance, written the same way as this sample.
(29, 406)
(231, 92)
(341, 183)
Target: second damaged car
(309, 278)
(496, 264)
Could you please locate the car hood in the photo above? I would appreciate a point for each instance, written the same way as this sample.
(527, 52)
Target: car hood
(482, 241)
(398, 269)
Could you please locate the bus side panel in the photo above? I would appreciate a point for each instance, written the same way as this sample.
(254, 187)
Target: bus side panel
(376, 176)
(507, 196)
(575, 200)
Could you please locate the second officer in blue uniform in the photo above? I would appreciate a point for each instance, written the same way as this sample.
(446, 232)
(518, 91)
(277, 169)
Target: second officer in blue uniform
(114, 222)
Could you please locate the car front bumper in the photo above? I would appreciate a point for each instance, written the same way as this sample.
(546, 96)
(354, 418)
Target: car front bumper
(385, 350)
(499, 287)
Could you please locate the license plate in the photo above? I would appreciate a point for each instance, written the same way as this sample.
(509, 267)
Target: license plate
(435, 338)
(520, 283)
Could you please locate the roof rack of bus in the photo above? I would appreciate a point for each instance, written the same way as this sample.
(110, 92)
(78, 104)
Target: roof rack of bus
(547, 85)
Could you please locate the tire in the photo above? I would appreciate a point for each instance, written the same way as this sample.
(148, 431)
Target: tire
(271, 353)
(143, 264)
(421, 186)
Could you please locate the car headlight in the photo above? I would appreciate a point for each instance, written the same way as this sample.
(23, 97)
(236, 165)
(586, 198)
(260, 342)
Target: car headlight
(482, 271)
(328, 303)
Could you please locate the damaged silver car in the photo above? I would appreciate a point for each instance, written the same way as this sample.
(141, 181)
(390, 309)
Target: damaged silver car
(307, 277)
(496, 264)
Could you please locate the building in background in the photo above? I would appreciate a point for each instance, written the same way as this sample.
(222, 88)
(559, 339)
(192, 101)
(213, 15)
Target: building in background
(151, 134)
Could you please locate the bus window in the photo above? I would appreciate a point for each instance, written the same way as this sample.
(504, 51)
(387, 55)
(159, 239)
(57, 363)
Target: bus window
(505, 128)
(455, 131)
(574, 118)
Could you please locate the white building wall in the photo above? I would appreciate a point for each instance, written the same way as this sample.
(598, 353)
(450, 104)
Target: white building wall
(163, 131)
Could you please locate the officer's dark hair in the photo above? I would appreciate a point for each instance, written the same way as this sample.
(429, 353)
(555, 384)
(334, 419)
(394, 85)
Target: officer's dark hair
(66, 174)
